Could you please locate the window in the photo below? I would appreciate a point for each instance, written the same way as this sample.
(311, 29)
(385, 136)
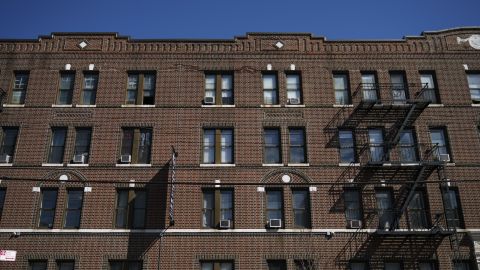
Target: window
(393, 266)
(463, 265)
(277, 264)
(270, 89)
(427, 266)
(304, 265)
(294, 89)
(398, 87)
(136, 145)
(474, 85)
(342, 89)
(219, 87)
(73, 211)
(216, 265)
(408, 147)
(453, 209)
(82, 145)
(19, 88)
(47, 208)
(3, 192)
(385, 212)
(57, 145)
(353, 206)
(369, 87)
(301, 208)
(65, 265)
(90, 83)
(272, 152)
(218, 146)
(67, 81)
(417, 213)
(377, 147)
(131, 208)
(9, 140)
(217, 206)
(429, 87)
(141, 89)
(439, 142)
(125, 265)
(346, 146)
(37, 265)
(274, 205)
(355, 265)
(297, 145)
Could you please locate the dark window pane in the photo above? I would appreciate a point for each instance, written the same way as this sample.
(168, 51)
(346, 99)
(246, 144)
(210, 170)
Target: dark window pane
(38, 265)
(270, 90)
(66, 265)
(57, 145)
(453, 212)
(127, 141)
(352, 205)
(347, 146)
(274, 204)
(301, 208)
(272, 146)
(208, 218)
(209, 146)
(9, 141)
(304, 265)
(149, 89)
(47, 208)
(74, 208)
(439, 142)
(417, 212)
(277, 265)
(144, 146)
(89, 89)
(82, 143)
(122, 209)
(297, 146)
(66, 89)
(19, 88)
(3, 192)
(132, 89)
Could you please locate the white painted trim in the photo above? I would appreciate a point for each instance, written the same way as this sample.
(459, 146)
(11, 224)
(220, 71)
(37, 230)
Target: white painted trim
(218, 106)
(85, 106)
(14, 105)
(137, 106)
(450, 164)
(273, 165)
(410, 164)
(77, 165)
(52, 164)
(295, 106)
(298, 164)
(270, 106)
(62, 106)
(132, 165)
(348, 164)
(342, 105)
(436, 105)
(6, 164)
(216, 165)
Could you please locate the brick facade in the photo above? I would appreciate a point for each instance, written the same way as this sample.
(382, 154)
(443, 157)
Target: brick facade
(178, 119)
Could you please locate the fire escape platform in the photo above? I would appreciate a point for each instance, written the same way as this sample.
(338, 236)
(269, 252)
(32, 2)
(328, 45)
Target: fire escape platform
(395, 171)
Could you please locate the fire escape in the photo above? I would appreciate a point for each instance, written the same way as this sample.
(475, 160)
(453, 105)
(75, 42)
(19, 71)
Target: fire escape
(394, 160)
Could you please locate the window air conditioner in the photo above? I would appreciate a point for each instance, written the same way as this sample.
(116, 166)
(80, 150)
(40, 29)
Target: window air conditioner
(126, 158)
(444, 157)
(293, 101)
(79, 159)
(275, 223)
(5, 158)
(209, 100)
(225, 223)
(355, 224)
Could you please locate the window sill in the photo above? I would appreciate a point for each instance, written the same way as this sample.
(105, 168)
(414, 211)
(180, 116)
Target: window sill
(473, 105)
(450, 164)
(132, 165)
(218, 106)
(345, 164)
(295, 106)
(6, 164)
(273, 165)
(298, 164)
(52, 164)
(14, 105)
(77, 165)
(343, 105)
(216, 165)
(137, 106)
(62, 106)
(85, 106)
(436, 105)
(270, 106)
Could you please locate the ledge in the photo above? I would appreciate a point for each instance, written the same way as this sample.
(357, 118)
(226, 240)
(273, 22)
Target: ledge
(348, 164)
(62, 106)
(52, 164)
(298, 164)
(77, 165)
(450, 164)
(216, 165)
(218, 106)
(132, 165)
(295, 106)
(137, 106)
(475, 105)
(436, 105)
(343, 105)
(271, 106)
(13, 105)
(6, 164)
(85, 106)
(273, 165)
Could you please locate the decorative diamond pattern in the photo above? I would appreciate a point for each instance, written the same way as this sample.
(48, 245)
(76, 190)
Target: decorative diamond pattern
(83, 44)
(279, 44)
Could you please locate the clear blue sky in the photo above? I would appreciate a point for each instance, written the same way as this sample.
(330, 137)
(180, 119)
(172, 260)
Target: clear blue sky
(348, 19)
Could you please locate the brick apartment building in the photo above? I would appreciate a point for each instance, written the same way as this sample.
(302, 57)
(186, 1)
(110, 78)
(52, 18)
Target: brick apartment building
(292, 152)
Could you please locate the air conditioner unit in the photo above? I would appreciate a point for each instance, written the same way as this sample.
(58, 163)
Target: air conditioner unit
(5, 158)
(79, 159)
(225, 223)
(293, 101)
(209, 100)
(444, 157)
(355, 224)
(275, 223)
(126, 158)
